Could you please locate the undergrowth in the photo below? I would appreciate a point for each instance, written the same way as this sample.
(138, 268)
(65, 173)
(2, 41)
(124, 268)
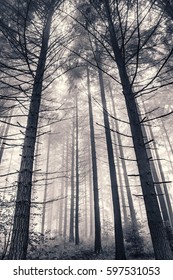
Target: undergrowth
(55, 248)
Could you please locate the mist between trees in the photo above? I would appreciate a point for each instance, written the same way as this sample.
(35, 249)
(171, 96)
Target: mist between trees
(85, 115)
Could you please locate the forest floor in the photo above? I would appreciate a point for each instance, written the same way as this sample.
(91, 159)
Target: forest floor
(54, 250)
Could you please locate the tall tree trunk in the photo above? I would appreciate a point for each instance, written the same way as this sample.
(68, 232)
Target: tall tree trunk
(158, 188)
(165, 187)
(138, 248)
(60, 214)
(77, 176)
(98, 247)
(66, 190)
(127, 185)
(118, 168)
(119, 241)
(34, 185)
(45, 187)
(158, 234)
(71, 238)
(91, 198)
(120, 180)
(85, 204)
(102, 200)
(50, 218)
(19, 240)
(161, 195)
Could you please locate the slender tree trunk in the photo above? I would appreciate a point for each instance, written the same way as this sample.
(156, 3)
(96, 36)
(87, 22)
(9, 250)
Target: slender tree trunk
(77, 176)
(20, 233)
(35, 165)
(158, 234)
(34, 185)
(161, 195)
(85, 203)
(66, 190)
(165, 187)
(140, 208)
(98, 247)
(33, 210)
(46, 187)
(119, 241)
(119, 175)
(62, 194)
(71, 238)
(91, 198)
(156, 179)
(102, 199)
(50, 218)
(127, 186)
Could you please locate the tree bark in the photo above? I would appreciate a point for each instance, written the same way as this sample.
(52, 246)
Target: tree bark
(98, 246)
(158, 188)
(165, 187)
(19, 240)
(126, 180)
(91, 198)
(158, 234)
(45, 187)
(66, 191)
(77, 176)
(71, 238)
(119, 241)
(61, 206)
(85, 204)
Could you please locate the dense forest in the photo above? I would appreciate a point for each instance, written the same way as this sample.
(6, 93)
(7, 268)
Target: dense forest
(86, 150)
